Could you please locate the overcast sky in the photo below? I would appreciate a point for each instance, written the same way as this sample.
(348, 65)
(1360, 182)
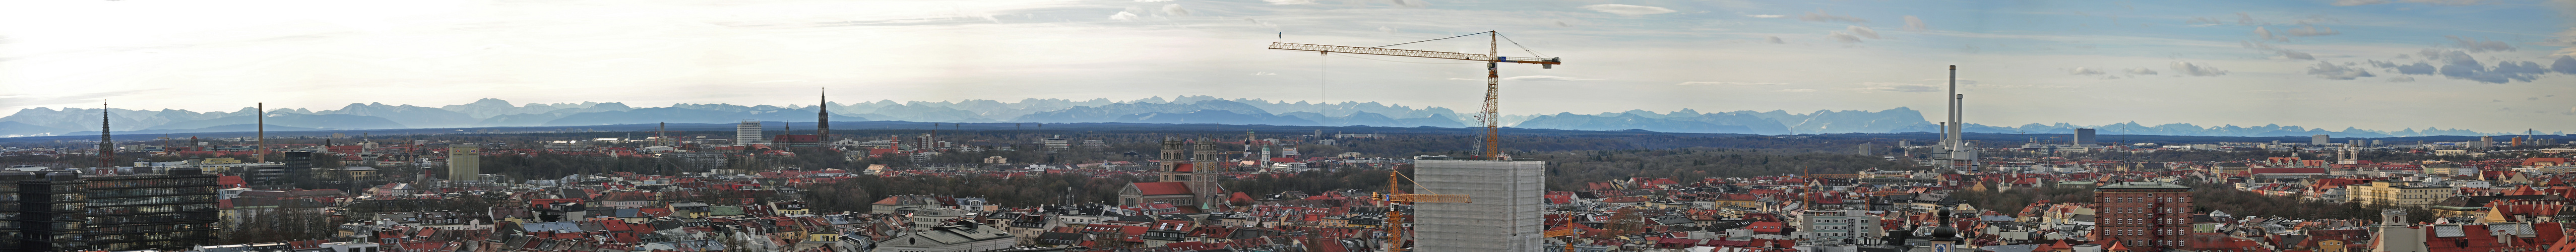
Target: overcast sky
(2486, 65)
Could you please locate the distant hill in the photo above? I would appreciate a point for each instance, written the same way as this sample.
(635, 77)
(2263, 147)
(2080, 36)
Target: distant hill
(1181, 110)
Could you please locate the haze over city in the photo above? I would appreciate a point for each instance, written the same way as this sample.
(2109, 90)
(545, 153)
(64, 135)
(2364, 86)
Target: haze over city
(2492, 66)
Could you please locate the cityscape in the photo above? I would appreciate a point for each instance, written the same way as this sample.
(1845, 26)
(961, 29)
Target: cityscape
(1206, 125)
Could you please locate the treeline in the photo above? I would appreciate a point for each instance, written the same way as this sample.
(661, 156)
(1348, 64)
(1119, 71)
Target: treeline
(1570, 169)
(857, 193)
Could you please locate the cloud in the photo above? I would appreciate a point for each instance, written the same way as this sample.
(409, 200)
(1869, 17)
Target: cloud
(1544, 78)
(1774, 40)
(1152, 1)
(2565, 65)
(2187, 68)
(1821, 16)
(2401, 78)
(2084, 71)
(1864, 32)
(2140, 71)
(1802, 90)
(2247, 19)
(2311, 30)
(2267, 35)
(1411, 3)
(1845, 38)
(1264, 73)
(2419, 68)
(1123, 16)
(1767, 16)
(1288, 2)
(2475, 45)
(1915, 24)
(2285, 53)
(2458, 65)
(1896, 87)
(2203, 22)
(1726, 83)
(2358, 2)
(2331, 71)
(1175, 10)
(1627, 10)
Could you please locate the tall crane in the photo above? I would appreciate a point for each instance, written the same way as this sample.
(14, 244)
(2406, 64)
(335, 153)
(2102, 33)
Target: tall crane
(1395, 220)
(1493, 76)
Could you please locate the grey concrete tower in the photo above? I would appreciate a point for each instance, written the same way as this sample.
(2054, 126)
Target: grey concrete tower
(1504, 213)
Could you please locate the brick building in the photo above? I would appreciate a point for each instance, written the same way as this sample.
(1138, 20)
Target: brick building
(2145, 216)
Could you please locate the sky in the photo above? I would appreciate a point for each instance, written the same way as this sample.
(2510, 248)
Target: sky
(2487, 65)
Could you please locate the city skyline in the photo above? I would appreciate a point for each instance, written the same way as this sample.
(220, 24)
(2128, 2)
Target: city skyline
(2321, 64)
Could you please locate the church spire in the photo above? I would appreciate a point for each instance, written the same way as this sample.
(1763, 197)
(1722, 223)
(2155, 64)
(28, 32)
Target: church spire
(106, 146)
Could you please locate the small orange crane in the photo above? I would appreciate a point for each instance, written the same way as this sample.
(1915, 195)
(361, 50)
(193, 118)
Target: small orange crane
(1395, 220)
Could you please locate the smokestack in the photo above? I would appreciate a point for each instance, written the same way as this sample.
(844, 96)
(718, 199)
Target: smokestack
(1950, 134)
(261, 155)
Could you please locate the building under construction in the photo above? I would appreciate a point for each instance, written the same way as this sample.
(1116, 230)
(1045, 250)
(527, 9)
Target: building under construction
(1504, 216)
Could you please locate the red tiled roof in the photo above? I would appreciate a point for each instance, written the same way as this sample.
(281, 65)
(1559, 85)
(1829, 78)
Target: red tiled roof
(1162, 188)
(1183, 167)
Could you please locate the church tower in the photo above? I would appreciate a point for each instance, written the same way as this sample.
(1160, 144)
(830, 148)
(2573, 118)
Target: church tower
(1206, 166)
(1173, 154)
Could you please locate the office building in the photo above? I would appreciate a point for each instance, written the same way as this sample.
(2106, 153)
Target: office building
(2144, 216)
(464, 162)
(2084, 137)
(146, 208)
(2317, 140)
(1846, 226)
(1503, 215)
(129, 209)
(747, 133)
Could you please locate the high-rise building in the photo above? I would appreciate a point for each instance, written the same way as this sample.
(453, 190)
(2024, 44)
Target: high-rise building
(2482, 143)
(2084, 137)
(464, 162)
(2317, 140)
(146, 208)
(1503, 215)
(127, 209)
(747, 133)
(2144, 216)
(52, 212)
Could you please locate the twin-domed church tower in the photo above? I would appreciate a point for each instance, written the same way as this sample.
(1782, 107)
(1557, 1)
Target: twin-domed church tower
(1189, 173)
(1200, 172)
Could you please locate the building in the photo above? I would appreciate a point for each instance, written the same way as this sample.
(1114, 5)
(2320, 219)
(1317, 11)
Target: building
(145, 208)
(747, 133)
(126, 209)
(1503, 215)
(967, 237)
(2399, 193)
(1854, 227)
(2084, 137)
(2317, 140)
(1057, 143)
(1192, 183)
(51, 215)
(2143, 216)
(464, 162)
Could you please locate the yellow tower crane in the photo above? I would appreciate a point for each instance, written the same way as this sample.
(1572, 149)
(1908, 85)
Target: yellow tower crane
(1493, 76)
(1395, 220)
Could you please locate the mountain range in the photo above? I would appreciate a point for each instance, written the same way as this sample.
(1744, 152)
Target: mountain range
(1179, 110)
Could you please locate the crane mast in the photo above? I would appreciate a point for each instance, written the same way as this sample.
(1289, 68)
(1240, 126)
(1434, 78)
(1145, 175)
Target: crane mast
(1490, 115)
